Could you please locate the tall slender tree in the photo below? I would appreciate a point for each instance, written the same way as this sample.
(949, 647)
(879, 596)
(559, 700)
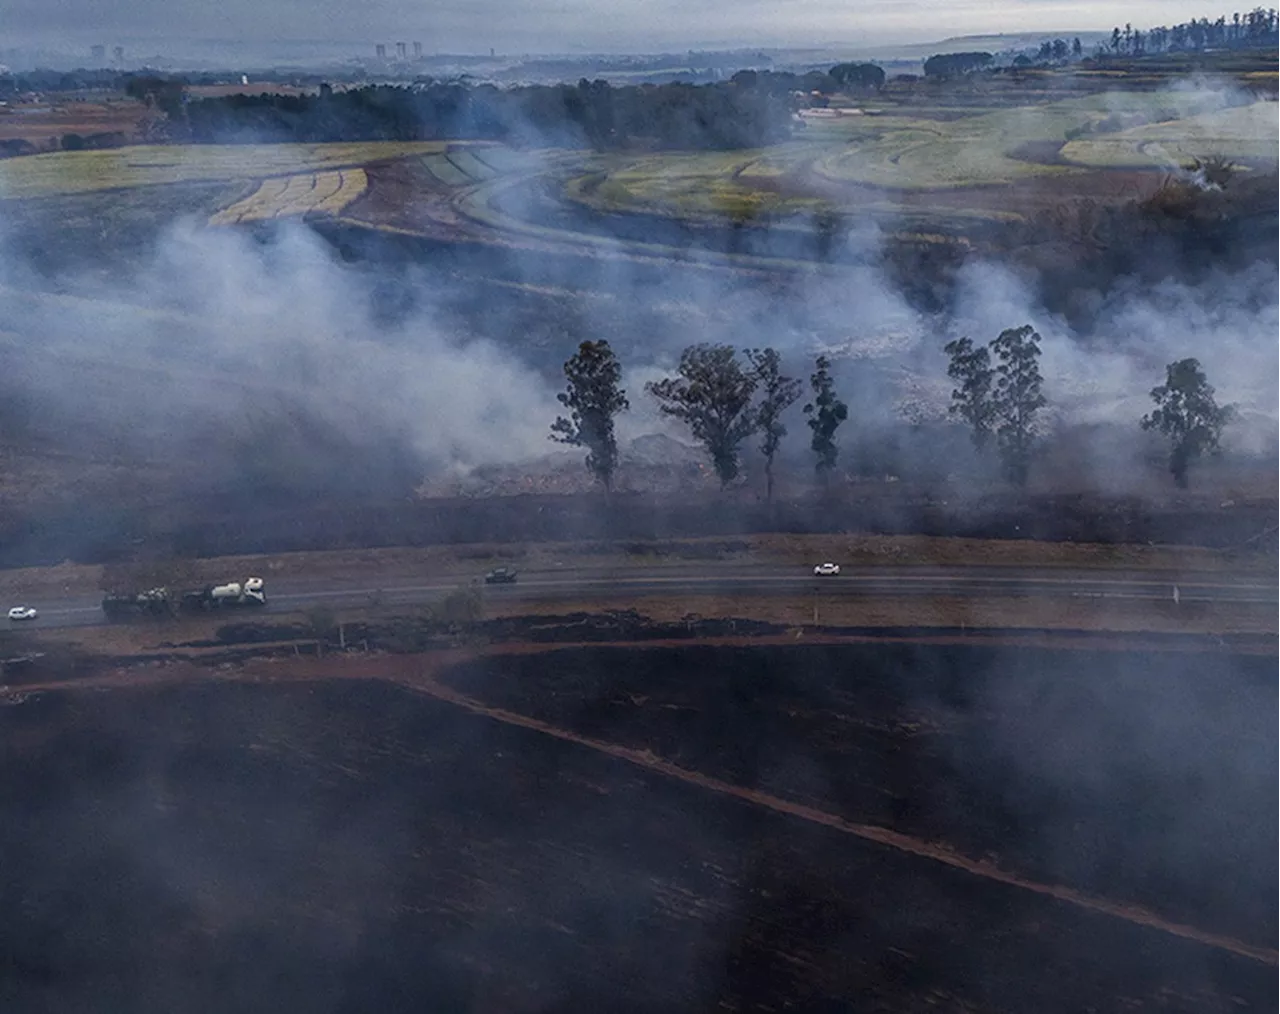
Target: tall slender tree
(826, 412)
(1017, 398)
(1187, 413)
(594, 396)
(711, 394)
(970, 368)
(1000, 401)
(777, 394)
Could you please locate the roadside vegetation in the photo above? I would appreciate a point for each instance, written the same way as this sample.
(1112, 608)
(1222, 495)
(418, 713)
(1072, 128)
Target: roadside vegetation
(998, 396)
(1188, 415)
(594, 396)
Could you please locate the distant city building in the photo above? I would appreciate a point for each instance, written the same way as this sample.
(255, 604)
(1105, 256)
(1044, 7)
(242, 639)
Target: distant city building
(98, 54)
(381, 50)
(402, 50)
(417, 50)
(118, 54)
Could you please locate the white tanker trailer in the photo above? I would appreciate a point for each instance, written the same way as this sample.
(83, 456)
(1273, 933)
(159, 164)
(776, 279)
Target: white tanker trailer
(158, 601)
(233, 595)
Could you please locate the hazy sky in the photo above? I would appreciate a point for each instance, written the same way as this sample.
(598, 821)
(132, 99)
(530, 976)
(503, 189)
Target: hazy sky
(566, 25)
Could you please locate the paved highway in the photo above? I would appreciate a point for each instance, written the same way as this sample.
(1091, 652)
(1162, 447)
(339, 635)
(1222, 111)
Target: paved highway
(681, 580)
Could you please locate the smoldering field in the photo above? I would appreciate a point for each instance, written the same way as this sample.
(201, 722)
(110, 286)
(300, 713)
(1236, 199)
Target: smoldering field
(266, 364)
(346, 844)
(157, 369)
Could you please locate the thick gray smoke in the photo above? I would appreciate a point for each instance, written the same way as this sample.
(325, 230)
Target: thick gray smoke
(219, 330)
(274, 346)
(241, 330)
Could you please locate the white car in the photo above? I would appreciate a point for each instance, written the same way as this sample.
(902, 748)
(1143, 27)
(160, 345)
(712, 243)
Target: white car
(22, 613)
(826, 570)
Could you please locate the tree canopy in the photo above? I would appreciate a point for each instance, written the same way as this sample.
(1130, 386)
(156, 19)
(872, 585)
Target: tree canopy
(858, 75)
(1002, 400)
(777, 394)
(594, 396)
(590, 113)
(711, 394)
(970, 368)
(1017, 398)
(948, 65)
(826, 412)
(1187, 413)
(1255, 30)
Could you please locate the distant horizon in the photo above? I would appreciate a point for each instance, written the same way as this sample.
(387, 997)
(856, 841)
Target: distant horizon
(205, 48)
(559, 27)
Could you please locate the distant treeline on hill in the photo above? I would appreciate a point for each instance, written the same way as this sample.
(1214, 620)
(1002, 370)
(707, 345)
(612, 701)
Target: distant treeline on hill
(1255, 30)
(590, 113)
(751, 110)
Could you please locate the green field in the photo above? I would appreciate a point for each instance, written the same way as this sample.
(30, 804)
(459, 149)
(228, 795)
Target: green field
(902, 151)
(702, 184)
(936, 168)
(1249, 133)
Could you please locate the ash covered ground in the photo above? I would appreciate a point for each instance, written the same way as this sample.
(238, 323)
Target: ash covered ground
(347, 845)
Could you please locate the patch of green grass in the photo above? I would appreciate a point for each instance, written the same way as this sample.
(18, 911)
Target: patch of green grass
(439, 166)
(474, 169)
(702, 184)
(1244, 132)
(73, 172)
(505, 160)
(898, 152)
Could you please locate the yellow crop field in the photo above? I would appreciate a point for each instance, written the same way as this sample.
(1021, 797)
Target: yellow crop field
(304, 193)
(73, 172)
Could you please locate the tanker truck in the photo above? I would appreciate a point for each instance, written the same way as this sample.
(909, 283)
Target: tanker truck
(152, 602)
(233, 595)
(160, 601)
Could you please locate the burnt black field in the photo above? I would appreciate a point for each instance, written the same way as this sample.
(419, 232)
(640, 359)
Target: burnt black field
(346, 845)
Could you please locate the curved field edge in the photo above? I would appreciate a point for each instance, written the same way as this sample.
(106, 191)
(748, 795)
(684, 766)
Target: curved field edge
(326, 193)
(78, 172)
(483, 205)
(764, 199)
(1250, 133)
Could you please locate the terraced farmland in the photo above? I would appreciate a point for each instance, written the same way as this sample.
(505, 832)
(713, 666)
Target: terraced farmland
(305, 193)
(1249, 133)
(72, 172)
(706, 184)
(997, 147)
(907, 151)
(922, 173)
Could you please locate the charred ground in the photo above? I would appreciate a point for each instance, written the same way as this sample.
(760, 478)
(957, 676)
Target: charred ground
(347, 844)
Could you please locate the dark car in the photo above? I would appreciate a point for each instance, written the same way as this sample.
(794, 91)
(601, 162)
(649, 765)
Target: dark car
(502, 575)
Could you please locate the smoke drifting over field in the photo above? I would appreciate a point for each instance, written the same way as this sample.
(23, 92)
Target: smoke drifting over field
(271, 358)
(222, 334)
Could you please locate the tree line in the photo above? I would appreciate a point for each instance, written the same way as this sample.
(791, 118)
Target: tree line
(714, 393)
(998, 395)
(949, 65)
(1255, 29)
(724, 399)
(591, 113)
